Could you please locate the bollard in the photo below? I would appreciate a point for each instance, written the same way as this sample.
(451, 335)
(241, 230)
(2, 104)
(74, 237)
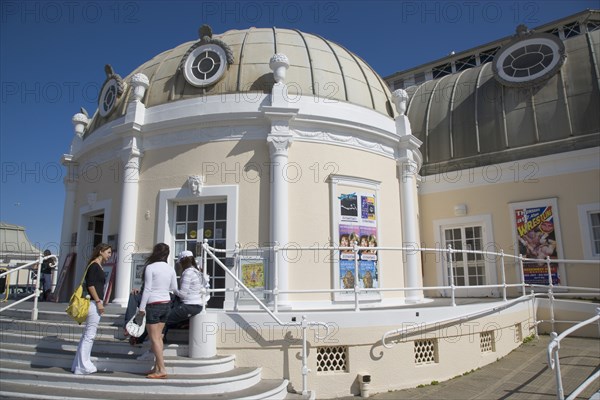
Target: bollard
(365, 385)
(203, 335)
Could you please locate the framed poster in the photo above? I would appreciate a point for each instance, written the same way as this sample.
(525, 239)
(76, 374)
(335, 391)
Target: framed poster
(109, 277)
(137, 269)
(355, 220)
(64, 272)
(536, 236)
(252, 273)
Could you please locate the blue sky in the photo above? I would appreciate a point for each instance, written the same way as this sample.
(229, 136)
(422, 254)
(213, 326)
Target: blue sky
(52, 57)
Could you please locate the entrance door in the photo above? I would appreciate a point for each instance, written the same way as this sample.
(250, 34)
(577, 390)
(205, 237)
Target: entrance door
(195, 222)
(469, 269)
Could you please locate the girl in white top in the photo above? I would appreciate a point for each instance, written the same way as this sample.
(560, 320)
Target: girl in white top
(159, 280)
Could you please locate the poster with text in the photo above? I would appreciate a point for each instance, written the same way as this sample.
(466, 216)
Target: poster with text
(537, 240)
(358, 224)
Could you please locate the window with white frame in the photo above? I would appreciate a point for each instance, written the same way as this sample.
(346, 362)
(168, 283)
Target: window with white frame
(589, 222)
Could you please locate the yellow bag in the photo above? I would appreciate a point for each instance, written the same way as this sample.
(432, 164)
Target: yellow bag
(78, 305)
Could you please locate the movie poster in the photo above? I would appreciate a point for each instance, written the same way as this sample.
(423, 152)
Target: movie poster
(537, 239)
(358, 224)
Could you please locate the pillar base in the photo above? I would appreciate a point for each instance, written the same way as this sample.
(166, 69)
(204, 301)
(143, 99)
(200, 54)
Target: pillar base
(203, 335)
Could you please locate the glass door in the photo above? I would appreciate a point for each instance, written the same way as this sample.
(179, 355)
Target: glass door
(195, 222)
(469, 269)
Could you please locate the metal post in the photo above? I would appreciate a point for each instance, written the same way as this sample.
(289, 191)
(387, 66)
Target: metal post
(355, 250)
(238, 270)
(550, 293)
(560, 394)
(450, 251)
(204, 266)
(305, 369)
(34, 312)
(522, 274)
(503, 275)
(535, 322)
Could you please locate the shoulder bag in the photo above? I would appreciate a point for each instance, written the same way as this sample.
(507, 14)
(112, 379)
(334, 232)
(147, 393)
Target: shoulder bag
(79, 304)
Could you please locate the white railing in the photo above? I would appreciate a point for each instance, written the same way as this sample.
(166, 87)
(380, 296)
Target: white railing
(36, 294)
(210, 252)
(554, 362)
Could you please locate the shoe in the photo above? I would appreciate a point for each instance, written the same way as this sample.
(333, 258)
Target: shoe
(147, 356)
(133, 341)
(156, 375)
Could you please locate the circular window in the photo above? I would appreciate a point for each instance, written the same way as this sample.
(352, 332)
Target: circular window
(108, 97)
(205, 65)
(529, 61)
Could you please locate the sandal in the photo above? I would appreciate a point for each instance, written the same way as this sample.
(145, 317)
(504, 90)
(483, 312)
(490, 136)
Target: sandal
(133, 340)
(156, 375)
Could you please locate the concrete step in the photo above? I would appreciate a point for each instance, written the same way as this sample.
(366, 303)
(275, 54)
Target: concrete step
(39, 356)
(54, 383)
(129, 382)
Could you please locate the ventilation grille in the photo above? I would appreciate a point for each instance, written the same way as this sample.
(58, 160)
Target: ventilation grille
(486, 342)
(425, 351)
(332, 359)
(518, 333)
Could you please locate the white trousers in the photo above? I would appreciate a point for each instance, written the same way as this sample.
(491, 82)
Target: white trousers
(82, 365)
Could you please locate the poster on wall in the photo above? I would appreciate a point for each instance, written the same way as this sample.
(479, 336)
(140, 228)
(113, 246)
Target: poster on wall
(358, 224)
(252, 274)
(537, 234)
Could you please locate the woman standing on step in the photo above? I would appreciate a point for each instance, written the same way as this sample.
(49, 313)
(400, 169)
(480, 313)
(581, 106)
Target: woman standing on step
(159, 280)
(94, 283)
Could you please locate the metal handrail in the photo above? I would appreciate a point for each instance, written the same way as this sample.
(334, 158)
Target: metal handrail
(304, 324)
(36, 294)
(554, 362)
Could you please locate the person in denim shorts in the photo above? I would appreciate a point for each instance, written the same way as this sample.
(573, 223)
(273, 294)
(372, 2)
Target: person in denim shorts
(159, 280)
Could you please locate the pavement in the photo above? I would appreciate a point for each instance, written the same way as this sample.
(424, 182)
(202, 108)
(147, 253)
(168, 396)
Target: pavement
(522, 374)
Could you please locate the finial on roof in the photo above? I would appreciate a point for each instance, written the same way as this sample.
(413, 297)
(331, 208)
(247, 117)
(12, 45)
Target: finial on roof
(523, 30)
(205, 30)
(108, 69)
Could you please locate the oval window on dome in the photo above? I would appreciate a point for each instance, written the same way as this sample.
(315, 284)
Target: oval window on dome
(529, 61)
(108, 97)
(205, 65)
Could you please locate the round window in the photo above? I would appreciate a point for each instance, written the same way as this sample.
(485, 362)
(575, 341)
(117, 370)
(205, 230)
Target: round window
(529, 61)
(205, 65)
(108, 97)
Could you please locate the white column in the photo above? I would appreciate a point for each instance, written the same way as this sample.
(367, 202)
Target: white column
(410, 229)
(409, 162)
(127, 223)
(70, 182)
(278, 147)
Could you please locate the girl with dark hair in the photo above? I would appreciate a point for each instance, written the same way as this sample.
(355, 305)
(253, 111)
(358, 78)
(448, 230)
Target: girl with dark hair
(94, 283)
(159, 280)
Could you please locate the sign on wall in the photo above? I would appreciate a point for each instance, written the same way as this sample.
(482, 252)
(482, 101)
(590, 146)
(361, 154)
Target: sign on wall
(536, 233)
(358, 223)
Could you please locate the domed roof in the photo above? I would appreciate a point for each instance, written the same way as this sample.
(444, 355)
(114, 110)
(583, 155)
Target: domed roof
(317, 67)
(539, 96)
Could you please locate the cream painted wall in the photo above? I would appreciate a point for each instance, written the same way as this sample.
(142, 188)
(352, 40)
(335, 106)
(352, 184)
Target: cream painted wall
(310, 214)
(570, 190)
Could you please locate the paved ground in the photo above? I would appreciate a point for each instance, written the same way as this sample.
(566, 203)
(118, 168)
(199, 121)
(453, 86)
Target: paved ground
(523, 374)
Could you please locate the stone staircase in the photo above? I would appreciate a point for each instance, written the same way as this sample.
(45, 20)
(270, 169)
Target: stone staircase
(36, 357)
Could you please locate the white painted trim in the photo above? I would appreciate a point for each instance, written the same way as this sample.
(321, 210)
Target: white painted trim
(485, 221)
(528, 170)
(167, 199)
(584, 211)
(358, 183)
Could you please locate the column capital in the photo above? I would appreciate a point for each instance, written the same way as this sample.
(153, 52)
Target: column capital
(279, 143)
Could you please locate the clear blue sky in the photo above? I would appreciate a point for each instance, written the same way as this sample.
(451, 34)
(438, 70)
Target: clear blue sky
(52, 57)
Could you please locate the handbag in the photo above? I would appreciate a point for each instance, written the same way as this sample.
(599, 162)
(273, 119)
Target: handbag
(136, 325)
(79, 305)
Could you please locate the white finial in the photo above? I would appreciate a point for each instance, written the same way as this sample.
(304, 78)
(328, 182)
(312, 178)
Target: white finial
(400, 98)
(140, 83)
(279, 64)
(80, 122)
